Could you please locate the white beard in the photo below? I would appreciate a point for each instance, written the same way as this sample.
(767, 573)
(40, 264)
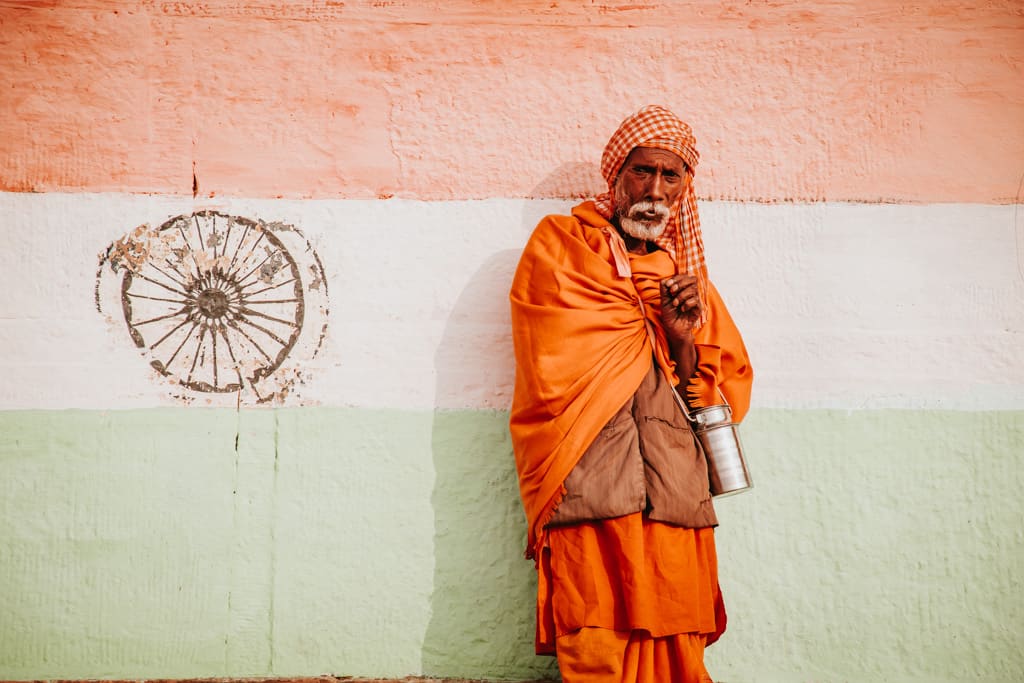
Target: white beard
(642, 230)
(631, 220)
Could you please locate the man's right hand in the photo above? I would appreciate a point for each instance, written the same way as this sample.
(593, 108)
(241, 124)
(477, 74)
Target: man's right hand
(680, 306)
(680, 311)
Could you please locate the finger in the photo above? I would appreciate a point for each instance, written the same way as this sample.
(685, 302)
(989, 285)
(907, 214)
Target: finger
(680, 279)
(688, 296)
(689, 313)
(680, 285)
(673, 282)
(678, 291)
(675, 304)
(685, 299)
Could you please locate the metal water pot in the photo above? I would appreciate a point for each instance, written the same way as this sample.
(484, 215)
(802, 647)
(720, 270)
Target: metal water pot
(720, 439)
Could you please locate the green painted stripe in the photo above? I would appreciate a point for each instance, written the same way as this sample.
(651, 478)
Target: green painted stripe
(875, 546)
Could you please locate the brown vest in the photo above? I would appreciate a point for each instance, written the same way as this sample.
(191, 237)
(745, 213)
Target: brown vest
(645, 459)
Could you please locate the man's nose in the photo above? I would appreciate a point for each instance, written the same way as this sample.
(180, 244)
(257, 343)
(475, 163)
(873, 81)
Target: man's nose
(656, 190)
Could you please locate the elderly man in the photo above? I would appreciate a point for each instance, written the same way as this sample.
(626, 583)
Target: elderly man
(612, 314)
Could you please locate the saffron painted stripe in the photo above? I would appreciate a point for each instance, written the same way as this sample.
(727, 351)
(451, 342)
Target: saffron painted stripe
(796, 101)
(842, 305)
(185, 543)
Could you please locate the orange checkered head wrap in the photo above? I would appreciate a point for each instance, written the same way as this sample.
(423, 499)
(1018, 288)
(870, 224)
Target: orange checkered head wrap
(657, 127)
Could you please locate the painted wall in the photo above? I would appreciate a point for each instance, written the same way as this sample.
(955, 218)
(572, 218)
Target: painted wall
(354, 511)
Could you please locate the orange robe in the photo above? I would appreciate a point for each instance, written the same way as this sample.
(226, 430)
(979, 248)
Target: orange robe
(580, 334)
(636, 594)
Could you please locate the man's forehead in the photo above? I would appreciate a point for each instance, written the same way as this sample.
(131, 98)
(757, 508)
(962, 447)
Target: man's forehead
(640, 153)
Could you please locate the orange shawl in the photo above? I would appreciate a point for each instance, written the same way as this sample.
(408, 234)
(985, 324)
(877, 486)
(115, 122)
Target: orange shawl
(582, 349)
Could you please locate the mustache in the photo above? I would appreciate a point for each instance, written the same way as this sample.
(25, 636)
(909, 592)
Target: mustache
(659, 209)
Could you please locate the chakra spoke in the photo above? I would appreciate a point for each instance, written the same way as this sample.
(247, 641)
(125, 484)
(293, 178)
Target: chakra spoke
(191, 251)
(268, 317)
(252, 341)
(174, 355)
(231, 353)
(175, 268)
(178, 312)
(264, 331)
(247, 302)
(160, 284)
(168, 275)
(245, 259)
(213, 340)
(155, 298)
(257, 267)
(195, 358)
(175, 329)
(267, 289)
(199, 231)
(240, 243)
(215, 238)
(227, 236)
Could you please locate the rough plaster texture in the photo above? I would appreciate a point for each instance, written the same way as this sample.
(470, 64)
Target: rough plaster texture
(805, 100)
(876, 546)
(878, 306)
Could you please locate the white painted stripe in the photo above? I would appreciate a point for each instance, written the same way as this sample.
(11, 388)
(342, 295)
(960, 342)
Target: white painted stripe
(842, 305)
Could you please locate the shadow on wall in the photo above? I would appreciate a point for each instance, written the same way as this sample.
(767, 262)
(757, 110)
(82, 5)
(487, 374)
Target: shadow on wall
(484, 596)
(575, 180)
(481, 621)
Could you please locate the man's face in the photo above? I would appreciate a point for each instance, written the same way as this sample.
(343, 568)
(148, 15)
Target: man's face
(648, 188)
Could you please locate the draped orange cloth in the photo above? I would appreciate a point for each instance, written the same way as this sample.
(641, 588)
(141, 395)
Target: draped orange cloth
(582, 348)
(652, 577)
(594, 655)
